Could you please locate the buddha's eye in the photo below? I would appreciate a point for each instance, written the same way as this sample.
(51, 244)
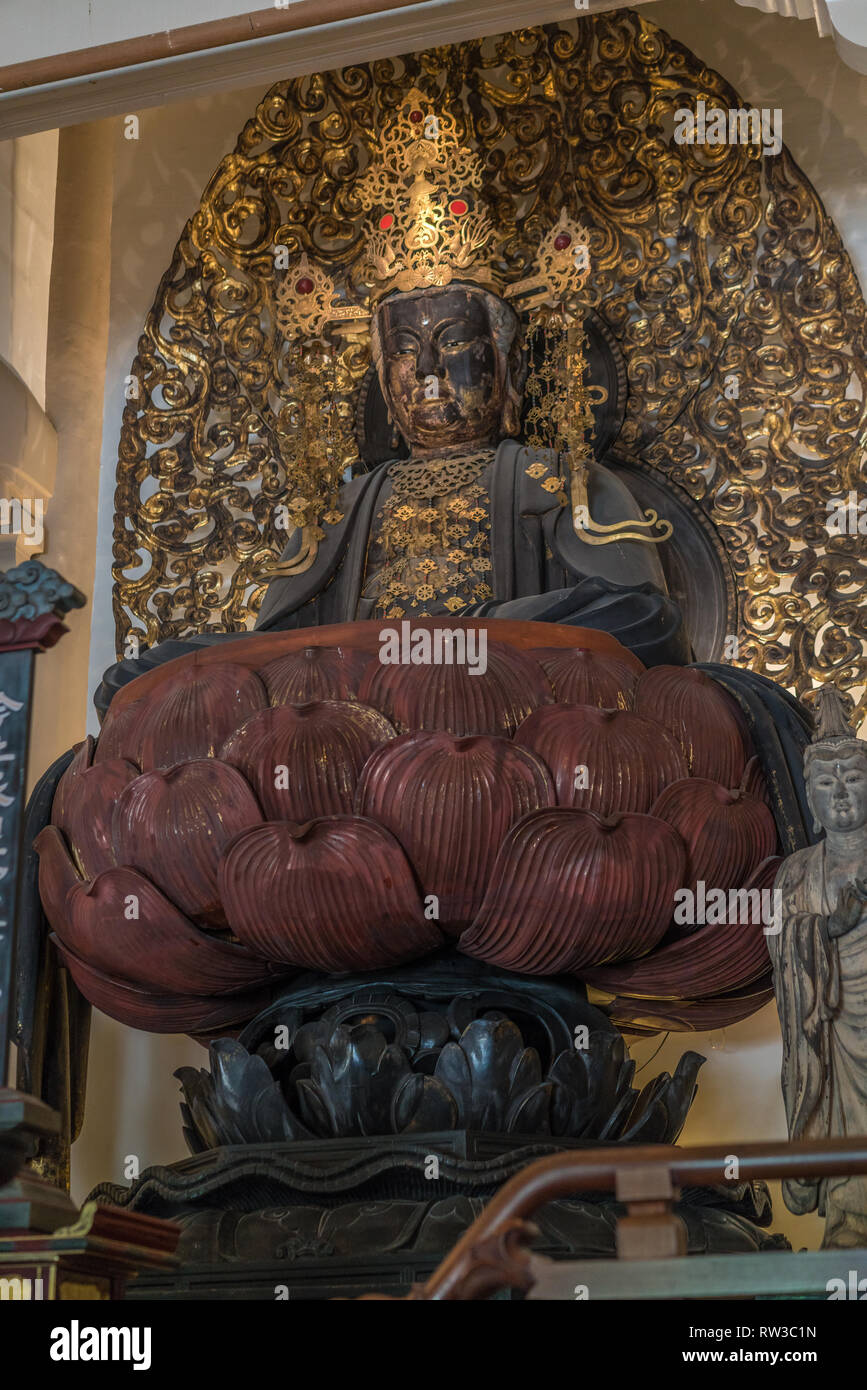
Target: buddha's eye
(456, 338)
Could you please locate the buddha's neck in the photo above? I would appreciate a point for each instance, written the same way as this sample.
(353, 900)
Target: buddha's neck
(845, 845)
(476, 446)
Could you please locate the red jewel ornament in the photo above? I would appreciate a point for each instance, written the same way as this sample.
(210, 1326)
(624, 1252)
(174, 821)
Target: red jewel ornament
(416, 117)
(562, 241)
(458, 207)
(385, 221)
(304, 285)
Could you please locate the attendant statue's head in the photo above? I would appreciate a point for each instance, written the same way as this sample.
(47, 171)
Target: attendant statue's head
(835, 767)
(449, 362)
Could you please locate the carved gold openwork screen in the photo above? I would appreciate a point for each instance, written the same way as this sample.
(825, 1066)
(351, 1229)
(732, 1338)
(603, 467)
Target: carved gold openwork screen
(712, 265)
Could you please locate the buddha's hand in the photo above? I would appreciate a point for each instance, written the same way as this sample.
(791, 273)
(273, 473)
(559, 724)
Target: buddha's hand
(850, 908)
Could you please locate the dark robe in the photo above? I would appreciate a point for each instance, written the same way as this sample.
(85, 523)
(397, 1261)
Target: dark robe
(542, 570)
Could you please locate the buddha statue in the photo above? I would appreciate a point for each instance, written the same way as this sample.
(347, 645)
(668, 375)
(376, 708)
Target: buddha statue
(472, 523)
(457, 517)
(464, 519)
(820, 972)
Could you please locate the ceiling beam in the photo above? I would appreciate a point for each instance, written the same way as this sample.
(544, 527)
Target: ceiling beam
(255, 49)
(266, 45)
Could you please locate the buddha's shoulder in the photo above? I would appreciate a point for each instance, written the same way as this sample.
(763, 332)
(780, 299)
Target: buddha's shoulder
(546, 476)
(355, 488)
(796, 867)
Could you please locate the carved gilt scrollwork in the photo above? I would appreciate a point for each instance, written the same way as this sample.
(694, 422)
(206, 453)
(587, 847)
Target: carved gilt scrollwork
(717, 269)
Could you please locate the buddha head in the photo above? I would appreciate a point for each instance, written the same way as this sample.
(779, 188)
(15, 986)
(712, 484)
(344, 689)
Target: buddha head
(449, 362)
(835, 768)
(837, 788)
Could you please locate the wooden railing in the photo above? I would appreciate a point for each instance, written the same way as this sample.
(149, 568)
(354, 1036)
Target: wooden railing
(494, 1253)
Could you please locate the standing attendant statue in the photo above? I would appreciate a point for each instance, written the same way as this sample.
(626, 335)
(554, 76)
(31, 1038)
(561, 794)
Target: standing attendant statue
(820, 972)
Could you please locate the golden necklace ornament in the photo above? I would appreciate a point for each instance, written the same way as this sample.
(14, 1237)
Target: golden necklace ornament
(430, 550)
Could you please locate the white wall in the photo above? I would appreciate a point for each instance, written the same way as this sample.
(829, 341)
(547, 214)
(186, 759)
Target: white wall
(28, 173)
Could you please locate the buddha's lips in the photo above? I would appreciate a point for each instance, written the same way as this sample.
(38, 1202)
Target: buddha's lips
(437, 408)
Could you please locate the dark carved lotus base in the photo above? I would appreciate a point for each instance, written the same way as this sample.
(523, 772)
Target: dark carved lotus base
(351, 1216)
(442, 1044)
(359, 1125)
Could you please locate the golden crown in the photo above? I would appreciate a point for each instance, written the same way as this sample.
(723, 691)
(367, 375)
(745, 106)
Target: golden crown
(428, 227)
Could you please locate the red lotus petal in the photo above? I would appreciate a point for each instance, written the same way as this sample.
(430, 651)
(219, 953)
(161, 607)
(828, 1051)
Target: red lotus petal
(570, 890)
(704, 718)
(727, 834)
(118, 734)
(157, 949)
(450, 803)
(710, 960)
(335, 894)
(314, 673)
(83, 805)
(63, 795)
(173, 826)
(765, 876)
(189, 715)
(583, 677)
(450, 699)
(155, 1013)
(321, 748)
(57, 874)
(648, 1016)
(628, 759)
(753, 782)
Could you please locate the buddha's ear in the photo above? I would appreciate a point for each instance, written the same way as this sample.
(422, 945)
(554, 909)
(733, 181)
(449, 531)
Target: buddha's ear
(510, 425)
(817, 824)
(376, 345)
(516, 376)
(518, 364)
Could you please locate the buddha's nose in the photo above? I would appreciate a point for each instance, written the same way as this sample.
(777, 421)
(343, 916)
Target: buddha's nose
(427, 362)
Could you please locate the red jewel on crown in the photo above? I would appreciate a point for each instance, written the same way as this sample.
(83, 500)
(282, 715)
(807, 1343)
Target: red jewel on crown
(304, 285)
(562, 241)
(386, 221)
(416, 116)
(458, 207)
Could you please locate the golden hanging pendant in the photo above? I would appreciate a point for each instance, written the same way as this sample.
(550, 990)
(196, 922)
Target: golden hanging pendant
(592, 533)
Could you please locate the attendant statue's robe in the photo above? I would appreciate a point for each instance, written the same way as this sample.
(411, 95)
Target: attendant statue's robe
(821, 988)
(540, 567)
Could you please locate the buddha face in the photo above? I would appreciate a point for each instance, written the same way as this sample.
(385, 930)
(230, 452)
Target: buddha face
(837, 790)
(445, 367)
